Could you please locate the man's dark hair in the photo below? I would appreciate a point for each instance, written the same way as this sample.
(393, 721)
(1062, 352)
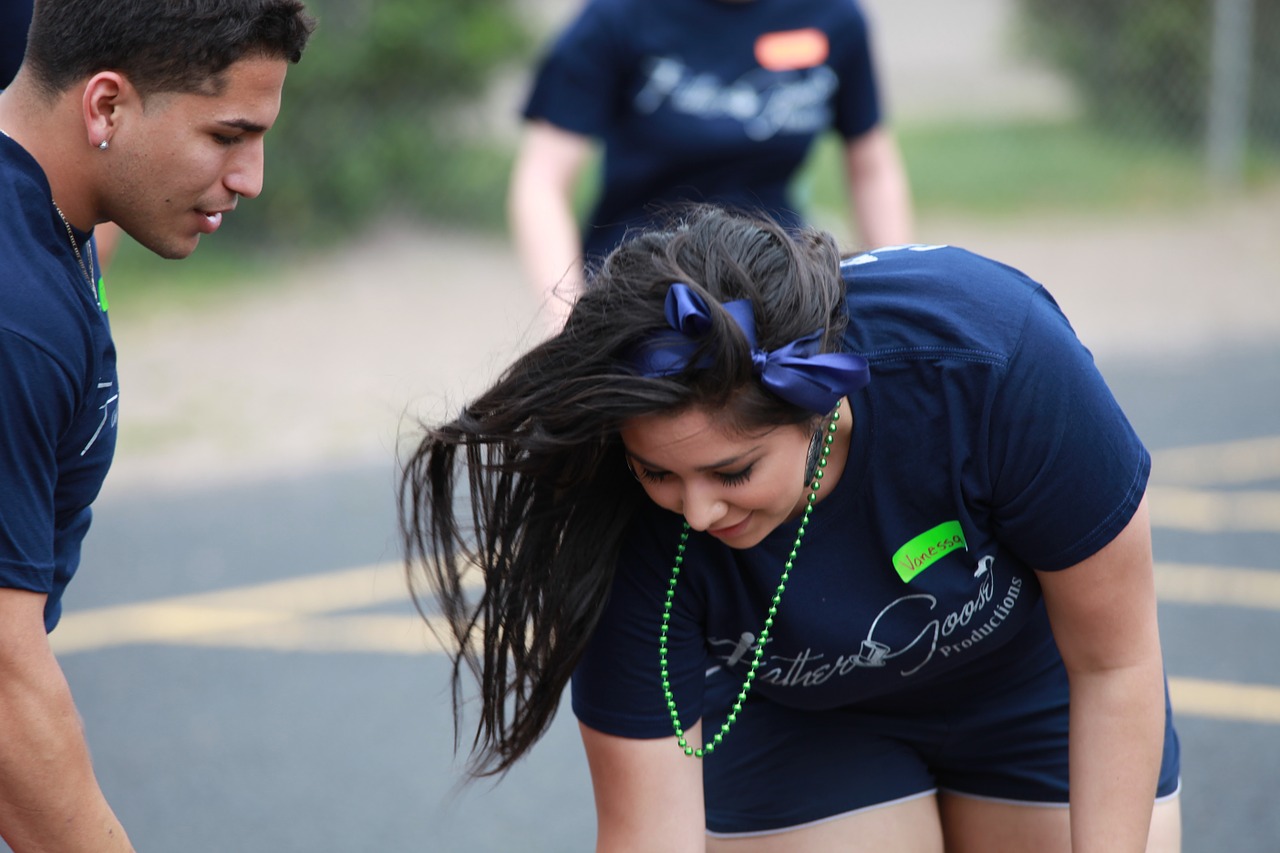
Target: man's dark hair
(160, 45)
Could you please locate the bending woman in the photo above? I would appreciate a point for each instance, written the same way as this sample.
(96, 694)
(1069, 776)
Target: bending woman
(838, 555)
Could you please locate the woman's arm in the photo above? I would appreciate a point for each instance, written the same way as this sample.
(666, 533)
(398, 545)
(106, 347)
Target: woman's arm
(879, 192)
(549, 162)
(648, 793)
(1103, 612)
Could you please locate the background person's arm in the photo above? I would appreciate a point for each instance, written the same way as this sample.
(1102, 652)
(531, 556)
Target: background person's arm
(548, 165)
(106, 237)
(1103, 612)
(879, 191)
(49, 797)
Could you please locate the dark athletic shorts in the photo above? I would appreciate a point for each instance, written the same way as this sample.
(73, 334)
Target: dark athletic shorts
(781, 768)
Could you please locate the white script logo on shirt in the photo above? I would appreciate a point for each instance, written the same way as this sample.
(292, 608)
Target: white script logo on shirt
(943, 636)
(767, 103)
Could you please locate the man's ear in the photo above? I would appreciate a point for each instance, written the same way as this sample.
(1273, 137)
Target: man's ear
(105, 94)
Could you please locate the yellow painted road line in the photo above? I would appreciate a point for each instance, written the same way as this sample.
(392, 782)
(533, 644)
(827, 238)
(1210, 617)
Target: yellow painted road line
(1203, 511)
(1218, 585)
(1223, 700)
(301, 615)
(1226, 464)
(346, 589)
(182, 618)
(161, 622)
(356, 633)
(291, 608)
(272, 609)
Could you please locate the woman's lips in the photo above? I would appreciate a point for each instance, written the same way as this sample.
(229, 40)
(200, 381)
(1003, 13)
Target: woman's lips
(730, 531)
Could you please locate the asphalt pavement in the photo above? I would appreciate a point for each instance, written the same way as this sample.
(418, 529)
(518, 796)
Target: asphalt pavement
(253, 678)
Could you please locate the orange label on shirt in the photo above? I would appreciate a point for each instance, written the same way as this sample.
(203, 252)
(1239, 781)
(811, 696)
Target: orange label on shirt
(792, 49)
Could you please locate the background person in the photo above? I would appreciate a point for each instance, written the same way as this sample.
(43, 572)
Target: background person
(876, 554)
(710, 101)
(152, 115)
(15, 18)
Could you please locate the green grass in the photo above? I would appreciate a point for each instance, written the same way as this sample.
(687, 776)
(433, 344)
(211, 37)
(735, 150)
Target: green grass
(138, 280)
(1011, 169)
(466, 190)
(990, 170)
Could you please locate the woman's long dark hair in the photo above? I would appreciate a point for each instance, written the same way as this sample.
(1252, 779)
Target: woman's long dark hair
(547, 497)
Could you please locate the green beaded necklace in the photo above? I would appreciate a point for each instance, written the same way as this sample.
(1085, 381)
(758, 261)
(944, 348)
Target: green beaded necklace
(700, 752)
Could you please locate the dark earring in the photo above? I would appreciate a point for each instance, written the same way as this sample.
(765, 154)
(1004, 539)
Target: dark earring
(815, 448)
(815, 451)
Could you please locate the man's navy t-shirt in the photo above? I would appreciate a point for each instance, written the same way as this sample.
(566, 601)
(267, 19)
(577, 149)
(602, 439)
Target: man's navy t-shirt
(58, 389)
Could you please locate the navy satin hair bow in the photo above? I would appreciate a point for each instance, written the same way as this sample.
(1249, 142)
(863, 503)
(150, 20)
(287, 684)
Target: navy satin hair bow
(797, 372)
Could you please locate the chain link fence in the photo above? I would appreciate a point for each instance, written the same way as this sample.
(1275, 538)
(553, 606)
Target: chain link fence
(1196, 74)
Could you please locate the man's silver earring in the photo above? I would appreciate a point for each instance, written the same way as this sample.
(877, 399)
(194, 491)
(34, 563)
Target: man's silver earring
(103, 145)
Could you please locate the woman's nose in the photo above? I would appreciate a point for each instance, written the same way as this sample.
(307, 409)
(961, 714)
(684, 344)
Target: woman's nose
(703, 508)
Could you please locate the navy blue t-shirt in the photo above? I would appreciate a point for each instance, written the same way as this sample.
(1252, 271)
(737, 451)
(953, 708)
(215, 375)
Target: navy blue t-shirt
(705, 100)
(58, 397)
(15, 20)
(985, 446)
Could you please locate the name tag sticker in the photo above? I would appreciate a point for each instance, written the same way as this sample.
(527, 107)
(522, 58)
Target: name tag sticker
(792, 50)
(927, 548)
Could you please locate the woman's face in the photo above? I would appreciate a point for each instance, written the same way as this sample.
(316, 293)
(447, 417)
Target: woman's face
(736, 487)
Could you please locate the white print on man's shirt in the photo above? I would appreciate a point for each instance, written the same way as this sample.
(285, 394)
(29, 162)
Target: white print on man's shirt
(109, 415)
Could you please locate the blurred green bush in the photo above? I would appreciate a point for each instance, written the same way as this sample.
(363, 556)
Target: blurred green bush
(1142, 67)
(379, 120)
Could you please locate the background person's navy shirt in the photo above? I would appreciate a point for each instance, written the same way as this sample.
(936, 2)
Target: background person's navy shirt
(676, 92)
(15, 20)
(58, 390)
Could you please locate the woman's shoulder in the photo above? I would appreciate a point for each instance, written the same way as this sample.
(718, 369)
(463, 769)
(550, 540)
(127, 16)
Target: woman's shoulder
(937, 263)
(922, 298)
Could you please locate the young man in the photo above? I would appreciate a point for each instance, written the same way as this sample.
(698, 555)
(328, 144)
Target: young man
(150, 114)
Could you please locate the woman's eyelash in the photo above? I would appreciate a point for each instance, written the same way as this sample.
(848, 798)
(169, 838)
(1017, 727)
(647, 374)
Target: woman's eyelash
(651, 476)
(735, 478)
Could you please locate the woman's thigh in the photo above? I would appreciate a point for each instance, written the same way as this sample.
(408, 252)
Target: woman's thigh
(909, 826)
(969, 825)
(972, 825)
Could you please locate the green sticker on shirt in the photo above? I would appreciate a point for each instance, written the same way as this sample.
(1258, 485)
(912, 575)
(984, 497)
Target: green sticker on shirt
(927, 548)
